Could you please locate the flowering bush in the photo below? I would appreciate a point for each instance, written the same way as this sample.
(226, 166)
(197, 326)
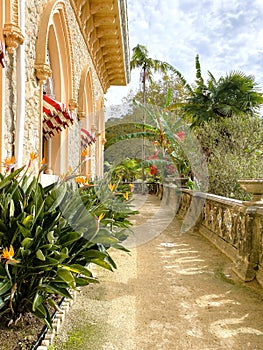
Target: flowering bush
(49, 236)
(153, 170)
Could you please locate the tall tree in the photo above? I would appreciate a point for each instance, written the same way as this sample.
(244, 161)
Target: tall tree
(234, 94)
(149, 66)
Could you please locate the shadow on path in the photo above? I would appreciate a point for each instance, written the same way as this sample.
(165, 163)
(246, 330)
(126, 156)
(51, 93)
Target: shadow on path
(174, 291)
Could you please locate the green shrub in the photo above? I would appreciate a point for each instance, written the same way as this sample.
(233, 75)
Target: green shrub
(49, 236)
(234, 150)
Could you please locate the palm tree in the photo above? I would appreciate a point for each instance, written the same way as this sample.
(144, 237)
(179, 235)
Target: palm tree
(234, 94)
(148, 66)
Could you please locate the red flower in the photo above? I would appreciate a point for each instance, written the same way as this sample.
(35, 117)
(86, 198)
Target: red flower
(180, 135)
(153, 170)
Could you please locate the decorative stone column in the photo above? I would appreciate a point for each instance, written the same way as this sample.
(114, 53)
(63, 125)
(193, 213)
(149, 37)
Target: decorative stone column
(43, 71)
(49, 170)
(81, 115)
(73, 104)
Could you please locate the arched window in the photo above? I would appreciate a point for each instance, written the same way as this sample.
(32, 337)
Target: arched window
(86, 117)
(56, 53)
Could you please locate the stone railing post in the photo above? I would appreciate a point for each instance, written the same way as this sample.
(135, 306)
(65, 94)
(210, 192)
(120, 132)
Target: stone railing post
(247, 260)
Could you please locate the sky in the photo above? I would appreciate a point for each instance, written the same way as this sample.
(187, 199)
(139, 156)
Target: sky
(226, 34)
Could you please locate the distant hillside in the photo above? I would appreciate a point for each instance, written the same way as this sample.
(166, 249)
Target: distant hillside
(116, 111)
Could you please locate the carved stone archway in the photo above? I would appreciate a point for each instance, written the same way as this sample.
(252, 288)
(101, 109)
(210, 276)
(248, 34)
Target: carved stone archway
(54, 59)
(86, 111)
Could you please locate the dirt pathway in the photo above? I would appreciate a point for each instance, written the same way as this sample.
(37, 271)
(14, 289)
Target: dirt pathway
(175, 291)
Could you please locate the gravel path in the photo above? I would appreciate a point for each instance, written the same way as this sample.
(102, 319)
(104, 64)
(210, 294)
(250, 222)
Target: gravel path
(174, 291)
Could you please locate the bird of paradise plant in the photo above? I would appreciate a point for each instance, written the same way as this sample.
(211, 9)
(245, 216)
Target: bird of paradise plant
(49, 235)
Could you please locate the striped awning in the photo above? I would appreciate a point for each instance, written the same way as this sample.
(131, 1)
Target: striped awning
(86, 138)
(55, 117)
(2, 55)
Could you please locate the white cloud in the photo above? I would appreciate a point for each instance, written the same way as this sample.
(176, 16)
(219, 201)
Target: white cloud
(227, 35)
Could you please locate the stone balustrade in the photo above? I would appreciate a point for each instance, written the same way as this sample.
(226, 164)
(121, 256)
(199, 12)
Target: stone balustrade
(235, 228)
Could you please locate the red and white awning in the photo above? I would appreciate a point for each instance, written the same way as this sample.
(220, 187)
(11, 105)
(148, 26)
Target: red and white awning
(55, 116)
(86, 138)
(2, 55)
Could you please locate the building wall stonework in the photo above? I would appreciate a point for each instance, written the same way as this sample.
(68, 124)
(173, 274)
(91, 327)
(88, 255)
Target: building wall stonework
(81, 59)
(81, 77)
(34, 11)
(10, 98)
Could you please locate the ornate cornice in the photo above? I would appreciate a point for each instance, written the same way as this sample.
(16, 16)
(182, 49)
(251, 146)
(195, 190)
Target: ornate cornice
(104, 27)
(13, 37)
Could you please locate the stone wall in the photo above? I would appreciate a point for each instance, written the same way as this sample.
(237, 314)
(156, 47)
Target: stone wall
(10, 98)
(236, 229)
(31, 137)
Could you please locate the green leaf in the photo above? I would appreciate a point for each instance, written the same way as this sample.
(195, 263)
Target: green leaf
(25, 232)
(59, 194)
(37, 301)
(41, 311)
(2, 303)
(47, 265)
(53, 304)
(27, 242)
(50, 237)
(56, 289)
(5, 286)
(120, 247)
(2, 271)
(39, 229)
(27, 220)
(4, 183)
(104, 239)
(8, 179)
(43, 314)
(66, 276)
(111, 262)
(102, 263)
(84, 281)
(69, 238)
(11, 208)
(3, 226)
(80, 269)
(40, 255)
(40, 212)
(92, 253)
(121, 235)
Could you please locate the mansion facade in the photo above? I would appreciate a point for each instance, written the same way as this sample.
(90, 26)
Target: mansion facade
(57, 60)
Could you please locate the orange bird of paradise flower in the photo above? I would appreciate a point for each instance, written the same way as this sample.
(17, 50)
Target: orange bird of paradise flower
(84, 153)
(112, 187)
(33, 156)
(101, 216)
(80, 180)
(9, 163)
(8, 254)
(126, 195)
